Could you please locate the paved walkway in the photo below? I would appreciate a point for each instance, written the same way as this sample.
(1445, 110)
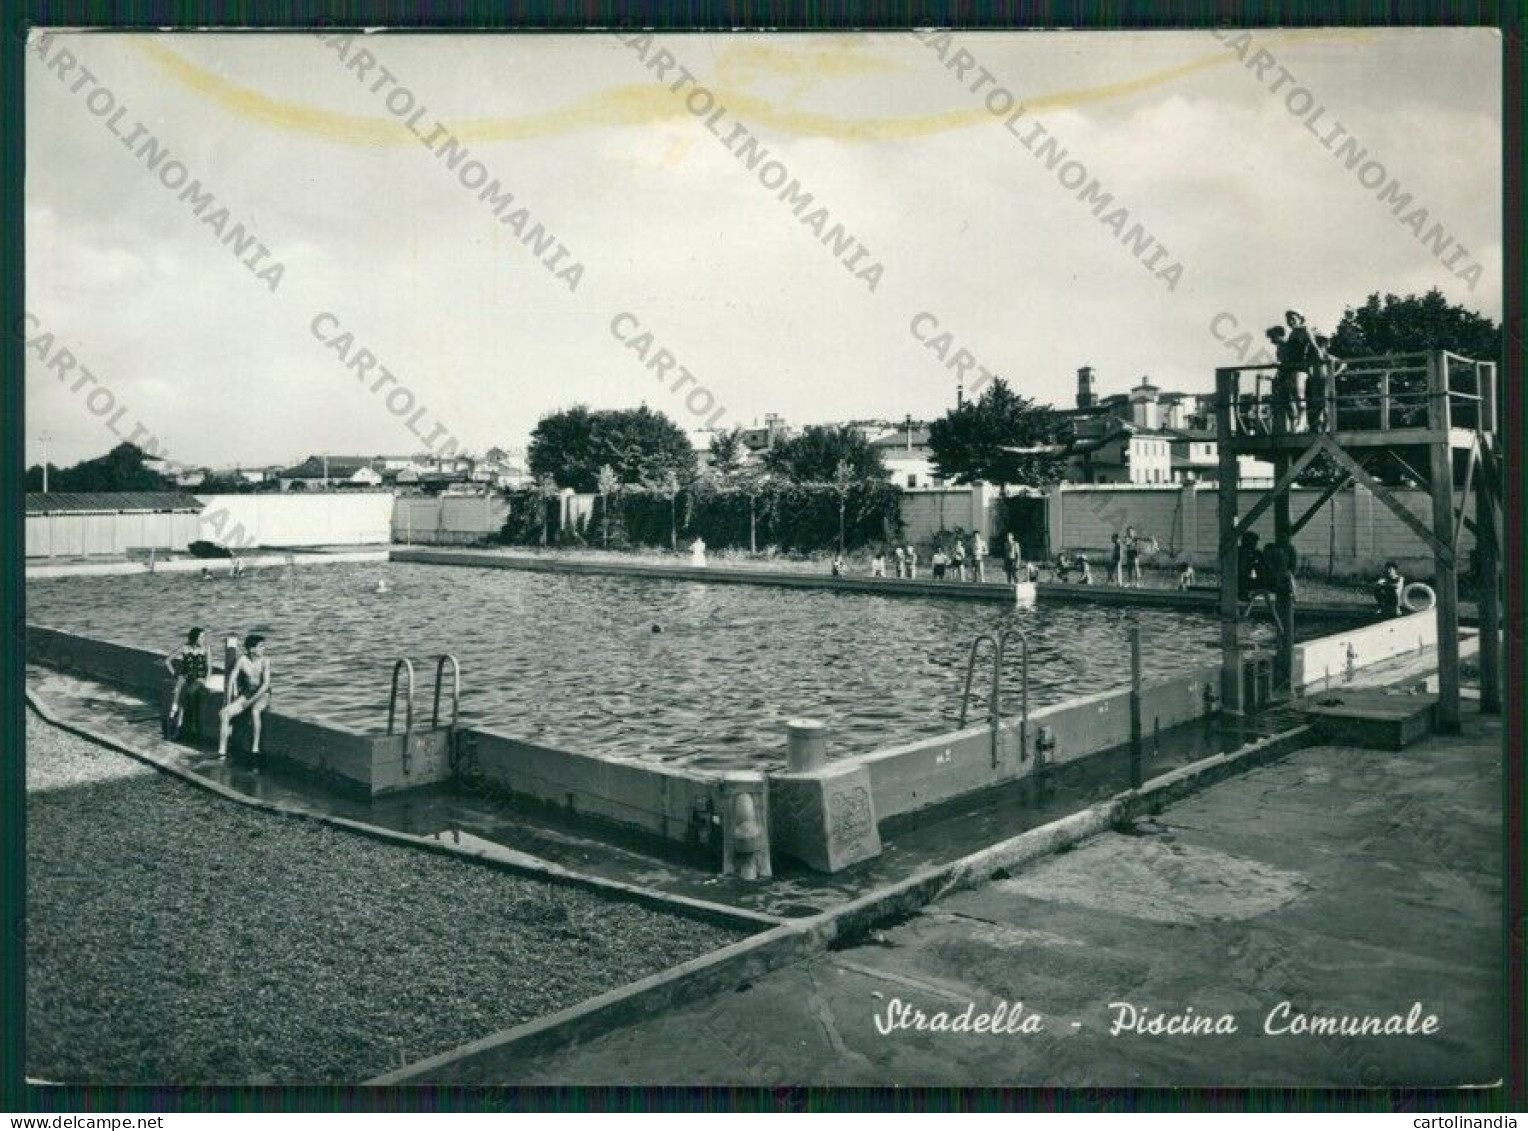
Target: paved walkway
(1342, 881)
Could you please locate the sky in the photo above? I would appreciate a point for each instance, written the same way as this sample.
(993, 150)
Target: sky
(1241, 202)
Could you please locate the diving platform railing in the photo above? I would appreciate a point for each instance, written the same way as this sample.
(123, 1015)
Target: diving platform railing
(1387, 400)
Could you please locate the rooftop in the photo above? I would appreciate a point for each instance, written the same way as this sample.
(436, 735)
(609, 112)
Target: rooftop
(110, 502)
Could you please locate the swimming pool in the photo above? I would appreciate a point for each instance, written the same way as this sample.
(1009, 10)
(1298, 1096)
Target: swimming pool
(574, 661)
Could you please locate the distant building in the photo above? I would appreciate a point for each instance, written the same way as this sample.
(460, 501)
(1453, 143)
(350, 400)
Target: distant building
(321, 472)
(1147, 436)
(908, 458)
(775, 430)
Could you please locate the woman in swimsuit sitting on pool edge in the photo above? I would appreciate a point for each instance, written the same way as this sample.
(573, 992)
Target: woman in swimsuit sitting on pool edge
(251, 684)
(189, 665)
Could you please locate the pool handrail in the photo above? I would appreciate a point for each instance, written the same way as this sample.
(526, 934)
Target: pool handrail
(456, 690)
(965, 698)
(1002, 648)
(406, 666)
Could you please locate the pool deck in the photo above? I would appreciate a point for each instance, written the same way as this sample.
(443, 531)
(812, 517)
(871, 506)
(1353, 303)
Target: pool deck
(1339, 879)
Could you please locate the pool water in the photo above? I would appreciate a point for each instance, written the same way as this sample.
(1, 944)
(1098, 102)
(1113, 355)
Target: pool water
(575, 661)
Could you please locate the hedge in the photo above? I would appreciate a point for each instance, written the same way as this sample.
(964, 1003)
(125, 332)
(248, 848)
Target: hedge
(788, 516)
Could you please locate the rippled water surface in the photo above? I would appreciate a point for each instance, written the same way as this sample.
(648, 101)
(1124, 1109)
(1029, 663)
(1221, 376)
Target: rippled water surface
(573, 661)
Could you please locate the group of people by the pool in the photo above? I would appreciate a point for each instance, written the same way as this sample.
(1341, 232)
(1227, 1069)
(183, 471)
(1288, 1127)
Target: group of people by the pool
(247, 684)
(962, 556)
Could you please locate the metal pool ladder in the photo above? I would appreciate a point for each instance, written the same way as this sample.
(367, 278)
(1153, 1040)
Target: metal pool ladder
(456, 689)
(405, 666)
(999, 650)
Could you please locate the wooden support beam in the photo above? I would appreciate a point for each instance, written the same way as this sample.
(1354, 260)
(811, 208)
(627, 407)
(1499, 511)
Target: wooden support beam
(1439, 546)
(1227, 490)
(1280, 490)
(1488, 585)
(1370, 438)
(1464, 494)
(1283, 599)
(1445, 572)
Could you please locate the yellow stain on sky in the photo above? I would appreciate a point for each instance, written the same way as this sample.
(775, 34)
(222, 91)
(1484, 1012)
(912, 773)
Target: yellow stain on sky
(738, 65)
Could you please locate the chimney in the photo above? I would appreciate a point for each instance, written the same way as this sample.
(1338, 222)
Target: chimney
(1085, 396)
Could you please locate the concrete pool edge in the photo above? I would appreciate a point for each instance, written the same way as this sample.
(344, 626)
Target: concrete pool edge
(257, 559)
(1199, 600)
(724, 969)
(521, 864)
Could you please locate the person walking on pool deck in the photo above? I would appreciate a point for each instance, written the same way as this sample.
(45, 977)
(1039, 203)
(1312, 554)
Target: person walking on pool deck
(1185, 576)
(189, 664)
(1117, 559)
(899, 557)
(878, 564)
(958, 557)
(250, 685)
(912, 563)
(978, 558)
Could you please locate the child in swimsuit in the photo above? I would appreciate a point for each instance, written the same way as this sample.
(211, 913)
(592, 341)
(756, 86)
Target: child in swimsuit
(250, 682)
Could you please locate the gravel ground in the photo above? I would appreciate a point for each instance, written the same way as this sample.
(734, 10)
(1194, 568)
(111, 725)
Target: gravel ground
(174, 937)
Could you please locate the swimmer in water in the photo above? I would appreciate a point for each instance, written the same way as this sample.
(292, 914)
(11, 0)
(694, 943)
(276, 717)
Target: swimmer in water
(206, 574)
(657, 628)
(381, 585)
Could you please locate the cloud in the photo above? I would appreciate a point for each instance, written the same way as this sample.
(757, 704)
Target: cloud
(672, 227)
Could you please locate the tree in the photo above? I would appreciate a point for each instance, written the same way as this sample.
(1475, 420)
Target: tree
(752, 481)
(843, 479)
(727, 452)
(546, 491)
(609, 483)
(1412, 324)
(814, 455)
(121, 469)
(571, 446)
(667, 486)
(971, 443)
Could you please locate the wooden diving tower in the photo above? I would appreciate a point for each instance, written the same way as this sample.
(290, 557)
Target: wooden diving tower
(1391, 410)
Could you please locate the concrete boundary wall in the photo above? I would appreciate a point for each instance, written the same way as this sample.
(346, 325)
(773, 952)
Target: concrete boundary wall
(301, 518)
(1353, 534)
